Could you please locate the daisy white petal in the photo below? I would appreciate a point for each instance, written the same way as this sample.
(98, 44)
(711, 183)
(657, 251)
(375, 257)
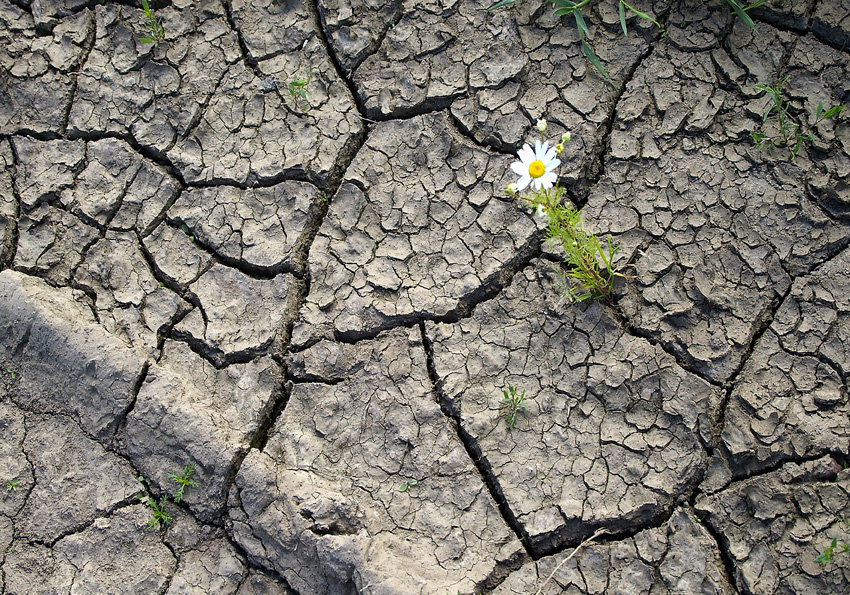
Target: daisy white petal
(520, 168)
(522, 183)
(526, 154)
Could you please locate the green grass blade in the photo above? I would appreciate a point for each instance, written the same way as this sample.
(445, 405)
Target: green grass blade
(742, 14)
(591, 55)
(833, 111)
(623, 18)
(501, 3)
(582, 26)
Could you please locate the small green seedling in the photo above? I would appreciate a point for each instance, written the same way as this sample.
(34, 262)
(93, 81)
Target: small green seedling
(11, 373)
(185, 229)
(297, 88)
(156, 32)
(698, 518)
(12, 485)
(834, 548)
(184, 480)
(781, 129)
(159, 516)
(512, 404)
(829, 552)
(406, 485)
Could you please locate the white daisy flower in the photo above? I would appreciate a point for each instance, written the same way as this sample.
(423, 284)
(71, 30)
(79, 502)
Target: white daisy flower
(536, 167)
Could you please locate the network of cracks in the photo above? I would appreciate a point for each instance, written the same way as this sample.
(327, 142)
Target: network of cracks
(318, 304)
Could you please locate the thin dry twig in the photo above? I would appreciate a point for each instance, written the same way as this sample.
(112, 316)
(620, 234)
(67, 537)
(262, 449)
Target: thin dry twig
(599, 533)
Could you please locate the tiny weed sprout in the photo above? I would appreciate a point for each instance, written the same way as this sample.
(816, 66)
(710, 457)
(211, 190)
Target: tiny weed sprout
(11, 373)
(590, 262)
(511, 404)
(185, 229)
(159, 516)
(833, 549)
(297, 88)
(780, 128)
(829, 552)
(183, 480)
(155, 30)
(12, 485)
(406, 485)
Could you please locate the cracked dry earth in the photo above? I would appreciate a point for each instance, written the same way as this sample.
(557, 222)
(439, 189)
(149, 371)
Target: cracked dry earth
(315, 305)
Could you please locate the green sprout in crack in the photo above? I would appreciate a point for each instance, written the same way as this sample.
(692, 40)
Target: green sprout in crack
(11, 373)
(780, 129)
(830, 551)
(511, 404)
(155, 30)
(834, 548)
(184, 480)
(297, 88)
(159, 515)
(12, 485)
(406, 485)
(185, 229)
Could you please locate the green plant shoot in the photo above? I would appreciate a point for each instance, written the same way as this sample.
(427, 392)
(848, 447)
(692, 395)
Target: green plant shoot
(183, 480)
(511, 404)
(780, 128)
(155, 30)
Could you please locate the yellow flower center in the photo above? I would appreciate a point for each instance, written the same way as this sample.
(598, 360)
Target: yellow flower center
(536, 168)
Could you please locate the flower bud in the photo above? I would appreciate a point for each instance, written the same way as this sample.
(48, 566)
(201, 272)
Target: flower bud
(511, 189)
(566, 137)
(559, 148)
(541, 125)
(541, 211)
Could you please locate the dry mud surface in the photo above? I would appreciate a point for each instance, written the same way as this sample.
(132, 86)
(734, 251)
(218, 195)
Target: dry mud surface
(317, 304)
